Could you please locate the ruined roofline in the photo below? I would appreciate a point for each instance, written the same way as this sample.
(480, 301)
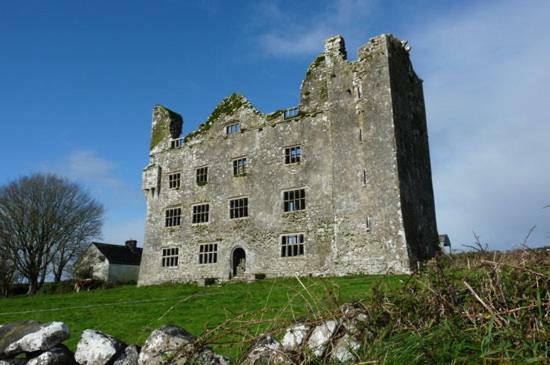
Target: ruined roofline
(334, 47)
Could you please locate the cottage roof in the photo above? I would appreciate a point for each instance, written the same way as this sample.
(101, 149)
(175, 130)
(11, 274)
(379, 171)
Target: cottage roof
(117, 254)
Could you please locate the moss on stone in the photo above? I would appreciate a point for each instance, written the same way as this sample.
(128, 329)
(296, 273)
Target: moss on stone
(160, 132)
(227, 106)
(274, 115)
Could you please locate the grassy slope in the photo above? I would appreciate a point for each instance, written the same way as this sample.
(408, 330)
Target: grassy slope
(131, 313)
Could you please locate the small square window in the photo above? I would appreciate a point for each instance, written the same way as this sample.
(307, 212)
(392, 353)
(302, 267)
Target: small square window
(293, 155)
(292, 245)
(233, 128)
(294, 200)
(174, 180)
(201, 213)
(172, 217)
(208, 254)
(238, 208)
(239, 167)
(170, 257)
(202, 176)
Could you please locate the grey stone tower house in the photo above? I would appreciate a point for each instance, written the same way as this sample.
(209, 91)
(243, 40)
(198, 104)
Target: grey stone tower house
(339, 185)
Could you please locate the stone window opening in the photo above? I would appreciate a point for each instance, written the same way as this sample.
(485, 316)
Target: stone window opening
(291, 113)
(294, 200)
(176, 143)
(233, 128)
(238, 208)
(172, 217)
(202, 176)
(201, 213)
(170, 257)
(358, 91)
(239, 166)
(361, 135)
(174, 180)
(292, 245)
(368, 223)
(208, 254)
(365, 178)
(293, 155)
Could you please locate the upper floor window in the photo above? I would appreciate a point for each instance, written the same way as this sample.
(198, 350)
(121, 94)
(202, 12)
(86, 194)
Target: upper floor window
(202, 176)
(238, 208)
(176, 143)
(292, 245)
(174, 180)
(233, 128)
(292, 113)
(201, 213)
(172, 217)
(208, 254)
(239, 167)
(293, 154)
(294, 200)
(170, 257)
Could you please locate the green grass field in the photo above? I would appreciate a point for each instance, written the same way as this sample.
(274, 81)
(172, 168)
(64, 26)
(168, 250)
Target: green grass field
(131, 313)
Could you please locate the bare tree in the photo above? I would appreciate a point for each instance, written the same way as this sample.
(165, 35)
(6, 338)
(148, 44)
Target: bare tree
(8, 272)
(41, 217)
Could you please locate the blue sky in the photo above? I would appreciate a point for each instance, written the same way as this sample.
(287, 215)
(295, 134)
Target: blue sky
(78, 80)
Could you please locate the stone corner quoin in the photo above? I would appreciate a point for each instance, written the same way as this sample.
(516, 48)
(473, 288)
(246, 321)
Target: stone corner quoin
(340, 184)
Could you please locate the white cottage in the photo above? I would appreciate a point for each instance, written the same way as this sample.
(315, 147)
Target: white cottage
(110, 263)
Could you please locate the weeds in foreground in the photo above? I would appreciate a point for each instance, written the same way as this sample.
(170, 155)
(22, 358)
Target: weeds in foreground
(482, 307)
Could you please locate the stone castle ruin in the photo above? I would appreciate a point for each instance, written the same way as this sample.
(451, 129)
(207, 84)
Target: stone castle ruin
(339, 185)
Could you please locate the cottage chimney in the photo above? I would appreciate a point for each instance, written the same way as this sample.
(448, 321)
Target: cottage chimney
(131, 244)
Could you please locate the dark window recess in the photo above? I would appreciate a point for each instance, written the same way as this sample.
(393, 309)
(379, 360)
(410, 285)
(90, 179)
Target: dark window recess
(174, 180)
(239, 167)
(202, 176)
(238, 208)
(292, 113)
(208, 254)
(170, 257)
(200, 213)
(368, 223)
(293, 154)
(294, 200)
(365, 178)
(233, 128)
(173, 217)
(176, 143)
(292, 245)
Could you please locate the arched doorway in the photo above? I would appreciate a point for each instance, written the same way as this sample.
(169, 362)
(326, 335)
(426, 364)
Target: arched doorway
(238, 262)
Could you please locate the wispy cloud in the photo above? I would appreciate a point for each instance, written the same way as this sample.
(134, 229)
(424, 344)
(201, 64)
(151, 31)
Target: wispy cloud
(87, 166)
(487, 86)
(125, 207)
(292, 33)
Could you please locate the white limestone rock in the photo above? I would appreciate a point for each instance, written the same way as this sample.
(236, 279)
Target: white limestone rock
(345, 349)
(267, 350)
(321, 336)
(295, 336)
(45, 338)
(209, 357)
(12, 362)
(129, 356)
(55, 356)
(97, 348)
(164, 343)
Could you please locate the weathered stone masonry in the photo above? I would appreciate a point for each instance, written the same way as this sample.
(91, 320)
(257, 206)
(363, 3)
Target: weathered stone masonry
(363, 163)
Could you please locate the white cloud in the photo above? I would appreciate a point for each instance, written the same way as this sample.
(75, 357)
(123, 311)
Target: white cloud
(487, 88)
(294, 34)
(124, 204)
(88, 167)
